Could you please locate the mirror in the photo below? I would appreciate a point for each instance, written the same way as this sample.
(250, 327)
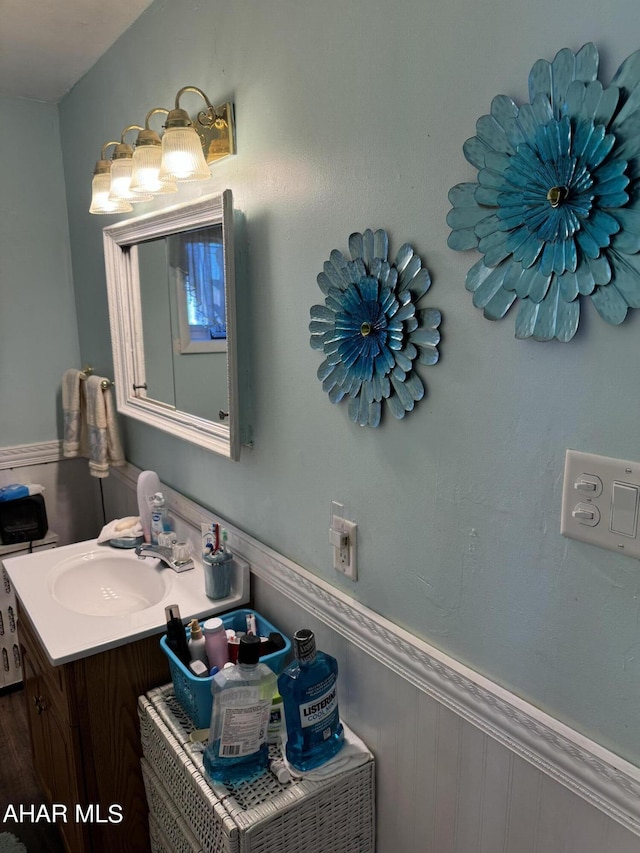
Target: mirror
(171, 291)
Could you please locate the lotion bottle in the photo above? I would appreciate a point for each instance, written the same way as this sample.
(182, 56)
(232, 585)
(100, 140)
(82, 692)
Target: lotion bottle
(308, 687)
(148, 484)
(242, 696)
(197, 648)
(215, 639)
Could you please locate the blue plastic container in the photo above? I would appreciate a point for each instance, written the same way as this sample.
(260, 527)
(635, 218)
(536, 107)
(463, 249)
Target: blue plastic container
(193, 693)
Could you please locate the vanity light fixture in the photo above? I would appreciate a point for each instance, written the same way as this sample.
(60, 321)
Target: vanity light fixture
(146, 161)
(121, 169)
(183, 153)
(182, 150)
(101, 186)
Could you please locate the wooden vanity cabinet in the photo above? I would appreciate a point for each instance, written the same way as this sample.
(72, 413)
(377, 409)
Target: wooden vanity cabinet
(85, 738)
(55, 736)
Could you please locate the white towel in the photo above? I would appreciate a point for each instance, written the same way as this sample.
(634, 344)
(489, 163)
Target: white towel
(72, 411)
(105, 448)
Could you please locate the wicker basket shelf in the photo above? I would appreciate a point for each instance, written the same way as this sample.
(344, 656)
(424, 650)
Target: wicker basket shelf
(190, 814)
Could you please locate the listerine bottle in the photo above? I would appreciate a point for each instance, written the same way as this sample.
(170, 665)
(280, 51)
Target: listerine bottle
(242, 695)
(308, 687)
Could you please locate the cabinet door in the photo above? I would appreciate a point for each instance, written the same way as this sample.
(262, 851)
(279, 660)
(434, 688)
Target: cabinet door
(67, 779)
(38, 727)
(56, 753)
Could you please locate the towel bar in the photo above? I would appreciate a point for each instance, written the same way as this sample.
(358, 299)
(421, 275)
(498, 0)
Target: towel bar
(87, 371)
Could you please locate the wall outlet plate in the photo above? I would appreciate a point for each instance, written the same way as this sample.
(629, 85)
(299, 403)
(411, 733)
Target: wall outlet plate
(343, 537)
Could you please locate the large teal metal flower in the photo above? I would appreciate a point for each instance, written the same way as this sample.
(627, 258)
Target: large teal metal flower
(370, 330)
(556, 208)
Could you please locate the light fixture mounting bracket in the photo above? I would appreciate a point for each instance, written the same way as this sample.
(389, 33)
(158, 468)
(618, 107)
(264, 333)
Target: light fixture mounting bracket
(216, 132)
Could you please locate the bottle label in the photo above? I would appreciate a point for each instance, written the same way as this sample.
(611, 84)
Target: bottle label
(276, 722)
(319, 710)
(244, 727)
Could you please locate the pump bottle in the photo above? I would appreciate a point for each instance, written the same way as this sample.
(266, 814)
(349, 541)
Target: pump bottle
(197, 648)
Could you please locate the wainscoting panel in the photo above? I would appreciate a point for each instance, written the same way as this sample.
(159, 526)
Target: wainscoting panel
(443, 785)
(462, 765)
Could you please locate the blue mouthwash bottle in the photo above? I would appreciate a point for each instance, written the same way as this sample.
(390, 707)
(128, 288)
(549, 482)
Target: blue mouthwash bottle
(242, 696)
(309, 692)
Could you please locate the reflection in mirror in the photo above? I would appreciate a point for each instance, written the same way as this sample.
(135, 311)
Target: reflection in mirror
(196, 264)
(183, 311)
(170, 278)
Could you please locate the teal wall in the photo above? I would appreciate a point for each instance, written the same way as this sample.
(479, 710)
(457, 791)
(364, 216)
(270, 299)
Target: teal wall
(38, 328)
(352, 116)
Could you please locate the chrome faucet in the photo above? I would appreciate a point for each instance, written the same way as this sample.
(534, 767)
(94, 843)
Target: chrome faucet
(166, 555)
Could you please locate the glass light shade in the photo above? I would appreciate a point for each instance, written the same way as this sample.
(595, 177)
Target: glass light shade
(144, 173)
(182, 156)
(100, 202)
(121, 181)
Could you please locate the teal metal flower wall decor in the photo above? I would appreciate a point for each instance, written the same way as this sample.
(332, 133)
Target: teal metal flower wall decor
(555, 211)
(370, 329)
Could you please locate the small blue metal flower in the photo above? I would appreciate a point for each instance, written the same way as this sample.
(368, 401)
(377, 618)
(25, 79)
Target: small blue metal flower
(370, 330)
(555, 212)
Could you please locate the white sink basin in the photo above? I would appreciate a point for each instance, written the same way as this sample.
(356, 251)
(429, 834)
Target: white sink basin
(87, 598)
(96, 583)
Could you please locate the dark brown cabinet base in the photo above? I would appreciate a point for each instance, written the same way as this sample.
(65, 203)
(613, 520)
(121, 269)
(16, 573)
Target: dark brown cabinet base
(85, 739)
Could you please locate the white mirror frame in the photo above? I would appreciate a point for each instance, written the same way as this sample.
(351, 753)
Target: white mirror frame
(125, 319)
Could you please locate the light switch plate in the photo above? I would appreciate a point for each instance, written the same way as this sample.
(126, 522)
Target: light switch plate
(600, 502)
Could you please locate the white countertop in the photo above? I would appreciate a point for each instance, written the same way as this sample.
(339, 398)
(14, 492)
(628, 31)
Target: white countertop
(67, 635)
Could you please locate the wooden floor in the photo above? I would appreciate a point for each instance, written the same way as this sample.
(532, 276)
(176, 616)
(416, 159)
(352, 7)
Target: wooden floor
(18, 785)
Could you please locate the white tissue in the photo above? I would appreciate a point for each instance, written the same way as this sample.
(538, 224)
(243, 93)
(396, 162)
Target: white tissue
(354, 753)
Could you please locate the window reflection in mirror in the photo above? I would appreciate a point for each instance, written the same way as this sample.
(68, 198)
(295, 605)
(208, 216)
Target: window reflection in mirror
(184, 325)
(197, 262)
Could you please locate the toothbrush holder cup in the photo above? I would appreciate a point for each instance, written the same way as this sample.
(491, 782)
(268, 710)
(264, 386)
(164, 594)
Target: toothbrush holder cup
(218, 574)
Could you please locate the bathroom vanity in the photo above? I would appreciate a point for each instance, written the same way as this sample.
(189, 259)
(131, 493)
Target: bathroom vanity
(89, 624)
(85, 743)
